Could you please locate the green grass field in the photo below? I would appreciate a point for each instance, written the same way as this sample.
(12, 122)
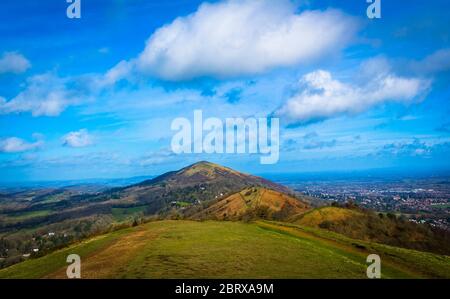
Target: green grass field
(121, 214)
(27, 215)
(212, 249)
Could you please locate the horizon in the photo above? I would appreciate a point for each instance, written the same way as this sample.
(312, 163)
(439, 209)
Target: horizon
(387, 174)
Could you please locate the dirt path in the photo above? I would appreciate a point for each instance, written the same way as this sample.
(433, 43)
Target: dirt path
(106, 262)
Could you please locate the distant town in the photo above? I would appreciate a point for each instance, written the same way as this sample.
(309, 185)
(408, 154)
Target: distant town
(419, 200)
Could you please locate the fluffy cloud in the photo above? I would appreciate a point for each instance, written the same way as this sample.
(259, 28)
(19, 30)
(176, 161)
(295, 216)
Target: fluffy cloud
(321, 96)
(16, 145)
(44, 94)
(12, 62)
(79, 138)
(233, 38)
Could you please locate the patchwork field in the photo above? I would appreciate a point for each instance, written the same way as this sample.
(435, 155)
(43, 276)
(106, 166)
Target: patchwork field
(212, 249)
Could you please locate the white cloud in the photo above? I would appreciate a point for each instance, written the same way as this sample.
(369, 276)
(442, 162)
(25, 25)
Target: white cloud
(119, 72)
(321, 96)
(79, 138)
(233, 38)
(436, 62)
(15, 145)
(44, 94)
(12, 62)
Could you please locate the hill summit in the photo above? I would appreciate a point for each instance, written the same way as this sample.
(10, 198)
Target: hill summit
(207, 173)
(199, 182)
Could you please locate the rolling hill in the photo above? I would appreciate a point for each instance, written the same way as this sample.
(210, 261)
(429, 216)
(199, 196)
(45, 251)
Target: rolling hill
(229, 225)
(202, 181)
(251, 203)
(212, 249)
(25, 222)
(192, 185)
(367, 225)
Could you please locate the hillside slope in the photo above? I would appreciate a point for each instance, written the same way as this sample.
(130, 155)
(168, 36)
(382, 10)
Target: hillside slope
(252, 203)
(192, 185)
(189, 249)
(202, 191)
(369, 226)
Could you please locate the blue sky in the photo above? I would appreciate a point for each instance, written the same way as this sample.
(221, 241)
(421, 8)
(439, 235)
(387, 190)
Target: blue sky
(94, 97)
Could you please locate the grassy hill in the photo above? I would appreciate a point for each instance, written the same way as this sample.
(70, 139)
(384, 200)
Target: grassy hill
(199, 182)
(251, 203)
(317, 217)
(382, 228)
(211, 249)
(304, 245)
